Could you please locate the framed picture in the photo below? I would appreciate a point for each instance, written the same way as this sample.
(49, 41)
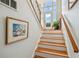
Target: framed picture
(16, 29)
(71, 3)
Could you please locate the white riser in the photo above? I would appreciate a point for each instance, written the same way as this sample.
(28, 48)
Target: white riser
(48, 55)
(51, 35)
(53, 40)
(52, 47)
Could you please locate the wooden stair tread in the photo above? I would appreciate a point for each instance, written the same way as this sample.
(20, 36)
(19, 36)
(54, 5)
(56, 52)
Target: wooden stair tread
(36, 56)
(52, 52)
(57, 38)
(52, 32)
(52, 43)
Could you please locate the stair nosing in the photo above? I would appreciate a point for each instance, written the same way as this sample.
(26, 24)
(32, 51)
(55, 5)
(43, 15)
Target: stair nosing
(53, 38)
(50, 32)
(52, 44)
(37, 56)
(54, 33)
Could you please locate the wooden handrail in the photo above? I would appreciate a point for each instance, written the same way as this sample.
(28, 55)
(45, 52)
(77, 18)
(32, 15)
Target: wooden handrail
(74, 45)
(34, 11)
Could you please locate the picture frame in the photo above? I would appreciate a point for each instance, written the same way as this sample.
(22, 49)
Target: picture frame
(16, 30)
(71, 3)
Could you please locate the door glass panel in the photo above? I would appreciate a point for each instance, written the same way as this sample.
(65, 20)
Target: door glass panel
(48, 20)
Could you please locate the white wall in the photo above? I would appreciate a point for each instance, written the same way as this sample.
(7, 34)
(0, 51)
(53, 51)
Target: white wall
(72, 16)
(59, 8)
(25, 47)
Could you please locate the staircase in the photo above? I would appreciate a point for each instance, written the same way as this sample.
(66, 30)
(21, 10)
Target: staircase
(51, 45)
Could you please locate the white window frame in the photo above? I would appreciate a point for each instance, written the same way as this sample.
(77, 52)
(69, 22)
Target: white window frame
(8, 6)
